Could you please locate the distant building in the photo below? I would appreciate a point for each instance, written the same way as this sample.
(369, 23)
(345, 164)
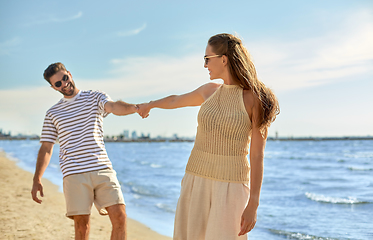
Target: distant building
(3, 134)
(175, 136)
(143, 136)
(126, 134)
(134, 135)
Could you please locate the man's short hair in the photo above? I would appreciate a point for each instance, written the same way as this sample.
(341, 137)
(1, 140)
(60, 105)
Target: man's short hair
(53, 69)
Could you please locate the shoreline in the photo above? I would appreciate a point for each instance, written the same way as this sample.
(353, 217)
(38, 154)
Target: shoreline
(21, 217)
(270, 138)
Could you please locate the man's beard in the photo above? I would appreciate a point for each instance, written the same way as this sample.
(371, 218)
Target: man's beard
(70, 92)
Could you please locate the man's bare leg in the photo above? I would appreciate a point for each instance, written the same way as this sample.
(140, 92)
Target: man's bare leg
(82, 227)
(118, 218)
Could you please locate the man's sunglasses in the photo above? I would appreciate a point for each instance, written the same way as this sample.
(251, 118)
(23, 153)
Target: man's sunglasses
(59, 83)
(207, 58)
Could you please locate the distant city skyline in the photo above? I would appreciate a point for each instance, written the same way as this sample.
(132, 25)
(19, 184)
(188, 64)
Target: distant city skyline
(317, 57)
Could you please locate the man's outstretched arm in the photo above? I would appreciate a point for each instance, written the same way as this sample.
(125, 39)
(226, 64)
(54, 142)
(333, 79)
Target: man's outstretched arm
(44, 157)
(120, 108)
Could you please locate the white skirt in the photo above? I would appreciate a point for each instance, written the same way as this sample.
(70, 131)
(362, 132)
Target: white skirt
(209, 209)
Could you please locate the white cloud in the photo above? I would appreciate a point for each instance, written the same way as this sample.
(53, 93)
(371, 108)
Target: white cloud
(78, 15)
(7, 46)
(142, 77)
(55, 19)
(345, 52)
(132, 32)
(23, 110)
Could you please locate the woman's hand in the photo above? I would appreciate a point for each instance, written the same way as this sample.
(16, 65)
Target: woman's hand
(143, 109)
(248, 219)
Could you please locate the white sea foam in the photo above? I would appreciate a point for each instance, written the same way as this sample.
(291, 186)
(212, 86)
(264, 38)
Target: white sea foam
(136, 196)
(335, 200)
(153, 165)
(360, 169)
(300, 236)
(165, 207)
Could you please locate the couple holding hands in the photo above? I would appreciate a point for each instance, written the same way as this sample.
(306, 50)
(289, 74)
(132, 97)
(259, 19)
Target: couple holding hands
(220, 189)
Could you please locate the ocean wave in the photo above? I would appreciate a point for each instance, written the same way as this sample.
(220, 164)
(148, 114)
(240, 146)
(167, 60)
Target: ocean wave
(144, 191)
(153, 165)
(359, 169)
(139, 191)
(334, 200)
(300, 236)
(165, 207)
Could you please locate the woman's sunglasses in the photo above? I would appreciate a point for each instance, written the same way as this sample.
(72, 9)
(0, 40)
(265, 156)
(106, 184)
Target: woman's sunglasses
(59, 83)
(212, 56)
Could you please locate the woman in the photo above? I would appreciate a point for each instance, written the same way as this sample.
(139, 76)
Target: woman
(220, 190)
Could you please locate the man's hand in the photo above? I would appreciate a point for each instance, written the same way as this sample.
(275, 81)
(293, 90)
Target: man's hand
(36, 187)
(44, 156)
(143, 109)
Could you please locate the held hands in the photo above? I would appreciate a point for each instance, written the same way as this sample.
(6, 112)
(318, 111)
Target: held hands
(248, 220)
(143, 109)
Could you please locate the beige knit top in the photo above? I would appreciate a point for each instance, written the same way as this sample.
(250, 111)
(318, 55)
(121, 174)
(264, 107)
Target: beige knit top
(223, 135)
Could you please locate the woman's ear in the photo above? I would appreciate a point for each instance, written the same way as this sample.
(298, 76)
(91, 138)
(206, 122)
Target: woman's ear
(225, 60)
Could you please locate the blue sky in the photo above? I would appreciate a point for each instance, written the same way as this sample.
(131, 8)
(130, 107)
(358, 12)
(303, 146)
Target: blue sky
(317, 56)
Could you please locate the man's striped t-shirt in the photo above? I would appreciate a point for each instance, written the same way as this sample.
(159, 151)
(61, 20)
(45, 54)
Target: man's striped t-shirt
(78, 125)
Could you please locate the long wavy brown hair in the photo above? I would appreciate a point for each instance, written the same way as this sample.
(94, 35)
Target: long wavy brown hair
(243, 71)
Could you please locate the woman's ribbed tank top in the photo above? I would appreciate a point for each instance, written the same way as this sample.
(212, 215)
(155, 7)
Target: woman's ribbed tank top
(223, 136)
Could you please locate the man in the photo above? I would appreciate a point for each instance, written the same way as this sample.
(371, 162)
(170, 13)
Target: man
(88, 177)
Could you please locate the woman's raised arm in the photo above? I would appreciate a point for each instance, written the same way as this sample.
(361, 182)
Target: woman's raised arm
(194, 98)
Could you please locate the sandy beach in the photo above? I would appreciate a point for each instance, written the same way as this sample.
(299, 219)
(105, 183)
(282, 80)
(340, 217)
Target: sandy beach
(22, 218)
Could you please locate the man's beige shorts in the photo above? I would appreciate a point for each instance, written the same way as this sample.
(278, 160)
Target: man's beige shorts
(99, 187)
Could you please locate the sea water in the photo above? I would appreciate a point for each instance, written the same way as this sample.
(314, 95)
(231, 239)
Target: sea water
(311, 189)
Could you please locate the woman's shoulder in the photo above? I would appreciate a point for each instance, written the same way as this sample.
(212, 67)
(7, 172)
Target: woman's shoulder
(248, 97)
(209, 88)
(212, 85)
(251, 101)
